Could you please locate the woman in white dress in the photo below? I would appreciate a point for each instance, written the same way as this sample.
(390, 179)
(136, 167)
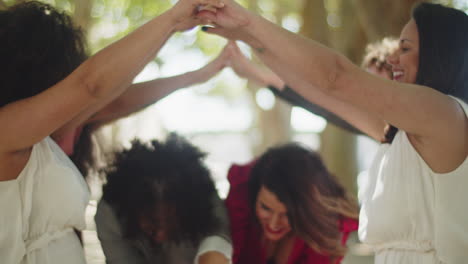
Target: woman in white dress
(47, 89)
(415, 209)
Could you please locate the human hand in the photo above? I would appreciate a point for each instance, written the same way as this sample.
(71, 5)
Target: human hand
(185, 12)
(216, 65)
(247, 69)
(229, 21)
(238, 62)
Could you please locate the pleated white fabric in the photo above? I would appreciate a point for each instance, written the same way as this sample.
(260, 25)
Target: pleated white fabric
(40, 209)
(412, 215)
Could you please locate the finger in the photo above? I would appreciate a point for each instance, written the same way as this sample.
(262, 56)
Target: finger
(209, 8)
(214, 3)
(234, 45)
(207, 15)
(205, 22)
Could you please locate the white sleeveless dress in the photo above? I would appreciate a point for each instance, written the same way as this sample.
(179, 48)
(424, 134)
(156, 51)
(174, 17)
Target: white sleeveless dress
(412, 215)
(40, 209)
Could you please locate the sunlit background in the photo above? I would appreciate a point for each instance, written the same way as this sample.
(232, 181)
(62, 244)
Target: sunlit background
(229, 118)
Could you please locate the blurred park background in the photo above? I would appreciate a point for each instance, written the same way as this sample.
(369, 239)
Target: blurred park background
(231, 119)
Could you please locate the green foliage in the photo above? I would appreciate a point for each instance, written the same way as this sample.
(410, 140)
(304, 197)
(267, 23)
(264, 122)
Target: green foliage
(111, 20)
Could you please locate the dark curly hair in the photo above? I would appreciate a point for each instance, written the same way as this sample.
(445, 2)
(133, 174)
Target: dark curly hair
(314, 199)
(39, 46)
(148, 179)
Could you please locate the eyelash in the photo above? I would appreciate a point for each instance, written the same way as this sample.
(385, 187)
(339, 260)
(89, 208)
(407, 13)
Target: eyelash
(264, 207)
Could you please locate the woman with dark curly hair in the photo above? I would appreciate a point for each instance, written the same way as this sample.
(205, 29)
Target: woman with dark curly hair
(160, 206)
(287, 208)
(48, 88)
(413, 209)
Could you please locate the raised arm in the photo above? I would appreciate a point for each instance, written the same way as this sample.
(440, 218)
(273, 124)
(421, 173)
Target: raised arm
(435, 122)
(247, 69)
(292, 97)
(140, 95)
(26, 122)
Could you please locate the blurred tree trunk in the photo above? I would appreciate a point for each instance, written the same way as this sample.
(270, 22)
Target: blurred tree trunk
(314, 21)
(82, 14)
(272, 127)
(337, 146)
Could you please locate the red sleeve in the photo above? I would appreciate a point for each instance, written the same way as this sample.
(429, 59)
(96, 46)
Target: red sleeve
(238, 208)
(347, 225)
(305, 255)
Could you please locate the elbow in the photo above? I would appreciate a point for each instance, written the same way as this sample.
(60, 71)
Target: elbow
(91, 80)
(336, 75)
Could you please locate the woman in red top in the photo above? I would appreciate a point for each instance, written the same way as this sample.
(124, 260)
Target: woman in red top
(286, 208)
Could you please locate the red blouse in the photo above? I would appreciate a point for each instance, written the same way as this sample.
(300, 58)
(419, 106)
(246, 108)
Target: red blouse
(246, 233)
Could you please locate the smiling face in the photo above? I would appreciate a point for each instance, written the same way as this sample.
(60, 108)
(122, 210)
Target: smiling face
(272, 215)
(405, 61)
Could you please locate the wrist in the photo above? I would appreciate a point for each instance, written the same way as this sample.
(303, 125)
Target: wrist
(251, 31)
(173, 19)
(197, 76)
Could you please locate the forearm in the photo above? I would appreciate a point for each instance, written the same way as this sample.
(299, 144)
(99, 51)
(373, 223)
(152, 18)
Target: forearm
(109, 73)
(340, 112)
(313, 70)
(114, 67)
(140, 95)
(262, 77)
(296, 99)
(292, 56)
(146, 93)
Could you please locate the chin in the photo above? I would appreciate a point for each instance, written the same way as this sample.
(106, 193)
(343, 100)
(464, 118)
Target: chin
(274, 237)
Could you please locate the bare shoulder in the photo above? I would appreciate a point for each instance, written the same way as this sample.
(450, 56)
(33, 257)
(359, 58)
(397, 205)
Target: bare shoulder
(446, 147)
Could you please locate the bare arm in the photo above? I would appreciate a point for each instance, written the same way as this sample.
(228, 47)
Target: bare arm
(140, 95)
(247, 69)
(26, 122)
(290, 96)
(434, 121)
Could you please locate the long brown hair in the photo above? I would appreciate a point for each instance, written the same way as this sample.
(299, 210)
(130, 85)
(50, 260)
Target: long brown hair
(313, 197)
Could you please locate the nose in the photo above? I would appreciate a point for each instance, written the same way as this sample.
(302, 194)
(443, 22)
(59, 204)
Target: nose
(393, 58)
(275, 222)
